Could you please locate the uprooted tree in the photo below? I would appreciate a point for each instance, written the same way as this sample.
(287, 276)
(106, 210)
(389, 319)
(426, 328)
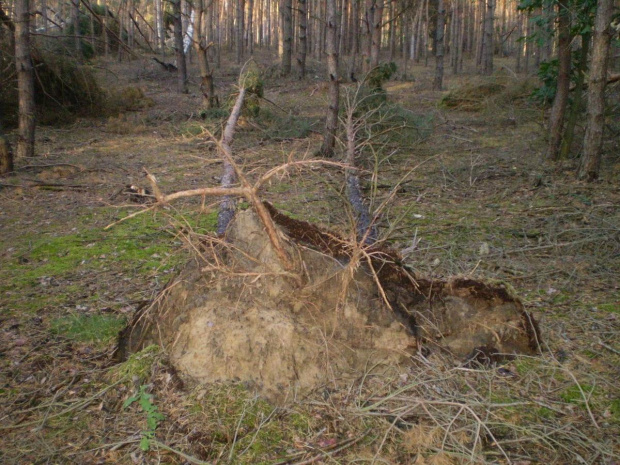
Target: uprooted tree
(282, 304)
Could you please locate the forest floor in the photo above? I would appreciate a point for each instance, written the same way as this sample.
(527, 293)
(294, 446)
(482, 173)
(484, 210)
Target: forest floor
(469, 194)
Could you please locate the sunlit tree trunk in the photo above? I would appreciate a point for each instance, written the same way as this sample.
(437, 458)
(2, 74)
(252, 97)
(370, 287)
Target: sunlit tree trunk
(331, 124)
(593, 140)
(25, 80)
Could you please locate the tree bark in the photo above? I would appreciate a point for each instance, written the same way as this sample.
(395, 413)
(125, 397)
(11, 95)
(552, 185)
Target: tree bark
(25, 80)
(488, 46)
(377, 27)
(331, 124)
(75, 19)
(201, 47)
(593, 140)
(159, 26)
(227, 204)
(178, 43)
(439, 37)
(286, 7)
(558, 110)
(576, 106)
(6, 154)
(364, 225)
(303, 40)
(250, 28)
(239, 30)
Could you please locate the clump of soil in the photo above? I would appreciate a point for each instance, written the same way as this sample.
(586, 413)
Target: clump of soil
(247, 319)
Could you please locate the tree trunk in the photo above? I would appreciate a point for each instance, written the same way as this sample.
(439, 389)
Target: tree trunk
(201, 47)
(331, 124)
(250, 28)
(159, 26)
(239, 31)
(6, 154)
(441, 15)
(377, 27)
(576, 106)
(366, 39)
(488, 46)
(303, 41)
(354, 29)
(593, 140)
(75, 19)
(178, 43)
(364, 224)
(227, 204)
(25, 80)
(286, 7)
(558, 110)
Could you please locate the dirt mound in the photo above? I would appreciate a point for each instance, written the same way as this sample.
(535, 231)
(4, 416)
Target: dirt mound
(248, 319)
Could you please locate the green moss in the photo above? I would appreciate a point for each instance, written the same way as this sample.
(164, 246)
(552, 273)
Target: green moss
(614, 409)
(243, 426)
(612, 307)
(573, 395)
(88, 328)
(138, 365)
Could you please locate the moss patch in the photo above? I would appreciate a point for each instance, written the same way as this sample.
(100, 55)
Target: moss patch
(100, 329)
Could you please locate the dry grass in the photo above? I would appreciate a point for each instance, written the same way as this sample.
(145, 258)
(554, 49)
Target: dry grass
(482, 204)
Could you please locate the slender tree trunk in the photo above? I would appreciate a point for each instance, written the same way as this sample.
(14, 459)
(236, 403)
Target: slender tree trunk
(75, 19)
(25, 80)
(365, 228)
(201, 47)
(178, 43)
(355, 27)
(303, 42)
(227, 204)
(439, 36)
(558, 110)
(377, 27)
(331, 124)
(44, 16)
(239, 30)
(392, 36)
(251, 27)
(593, 140)
(159, 25)
(286, 7)
(6, 154)
(577, 104)
(366, 39)
(488, 46)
